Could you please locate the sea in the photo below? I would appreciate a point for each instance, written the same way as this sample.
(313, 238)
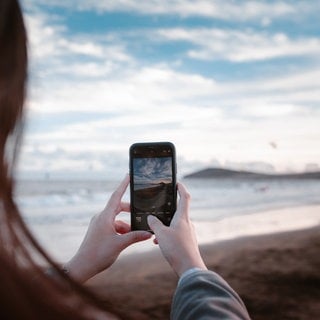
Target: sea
(59, 211)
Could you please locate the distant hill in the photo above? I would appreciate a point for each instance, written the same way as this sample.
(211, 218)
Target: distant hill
(218, 173)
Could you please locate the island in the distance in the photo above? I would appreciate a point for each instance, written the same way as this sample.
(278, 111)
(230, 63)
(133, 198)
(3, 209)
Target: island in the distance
(220, 173)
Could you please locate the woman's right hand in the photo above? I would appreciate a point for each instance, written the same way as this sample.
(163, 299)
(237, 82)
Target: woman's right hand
(178, 242)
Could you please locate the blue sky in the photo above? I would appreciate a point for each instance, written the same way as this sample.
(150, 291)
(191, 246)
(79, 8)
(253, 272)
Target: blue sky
(231, 83)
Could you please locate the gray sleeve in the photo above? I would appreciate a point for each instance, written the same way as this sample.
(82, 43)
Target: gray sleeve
(205, 295)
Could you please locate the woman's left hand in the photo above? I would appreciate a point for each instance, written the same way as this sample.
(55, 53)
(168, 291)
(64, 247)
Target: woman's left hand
(105, 238)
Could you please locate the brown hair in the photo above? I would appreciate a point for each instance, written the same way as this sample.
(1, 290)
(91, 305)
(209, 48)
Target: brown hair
(26, 292)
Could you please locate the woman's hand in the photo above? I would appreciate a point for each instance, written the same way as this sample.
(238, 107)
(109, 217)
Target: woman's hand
(178, 242)
(105, 238)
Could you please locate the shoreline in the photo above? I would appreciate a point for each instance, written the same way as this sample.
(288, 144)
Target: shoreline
(258, 223)
(277, 275)
(55, 236)
(251, 224)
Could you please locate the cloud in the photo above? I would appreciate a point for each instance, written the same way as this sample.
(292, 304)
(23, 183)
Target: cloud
(240, 46)
(272, 110)
(220, 9)
(41, 161)
(42, 36)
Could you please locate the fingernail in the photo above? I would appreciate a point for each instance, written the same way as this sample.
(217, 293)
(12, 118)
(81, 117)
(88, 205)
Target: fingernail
(150, 217)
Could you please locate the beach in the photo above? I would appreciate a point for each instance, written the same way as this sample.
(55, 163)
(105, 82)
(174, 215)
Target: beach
(263, 237)
(276, 274)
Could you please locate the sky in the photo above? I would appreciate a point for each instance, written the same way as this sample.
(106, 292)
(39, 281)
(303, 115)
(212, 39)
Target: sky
(152, 170)
(231, 83)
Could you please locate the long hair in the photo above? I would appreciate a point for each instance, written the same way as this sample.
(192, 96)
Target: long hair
(26, 292)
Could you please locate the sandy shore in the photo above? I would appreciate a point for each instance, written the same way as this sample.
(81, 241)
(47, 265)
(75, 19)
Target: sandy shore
(277, 275)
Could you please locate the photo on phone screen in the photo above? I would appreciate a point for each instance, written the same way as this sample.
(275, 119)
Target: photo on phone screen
(152, 183)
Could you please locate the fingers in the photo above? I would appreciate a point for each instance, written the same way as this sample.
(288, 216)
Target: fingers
(118, 193)
(135, 236)
(184, 203)
(181, 213)
(114, 204)
(155, 224)
(125, 206)
(122, 227)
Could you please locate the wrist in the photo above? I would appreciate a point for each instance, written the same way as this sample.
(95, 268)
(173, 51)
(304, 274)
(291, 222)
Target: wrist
(190, 264)
(78, 270)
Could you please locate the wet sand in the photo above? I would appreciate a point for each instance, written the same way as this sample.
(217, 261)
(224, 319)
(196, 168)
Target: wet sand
(277, 275)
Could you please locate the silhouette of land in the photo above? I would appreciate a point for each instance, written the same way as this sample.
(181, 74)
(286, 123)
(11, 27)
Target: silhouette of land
(219, 173)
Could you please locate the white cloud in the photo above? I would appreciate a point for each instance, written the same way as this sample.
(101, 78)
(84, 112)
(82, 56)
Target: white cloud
(264, 110)
(304, 79)
(42, 36)
(84, 48)
(51, 45)
(206, 119)
(226, 10)
(240, 46)
(132, 90)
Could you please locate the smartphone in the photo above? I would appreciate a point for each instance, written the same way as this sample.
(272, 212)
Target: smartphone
(152, 183)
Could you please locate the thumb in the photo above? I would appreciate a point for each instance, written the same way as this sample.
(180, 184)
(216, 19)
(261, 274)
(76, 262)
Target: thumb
(135, 236)
(154, 223)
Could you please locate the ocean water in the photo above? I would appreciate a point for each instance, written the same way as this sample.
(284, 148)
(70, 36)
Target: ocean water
(216, 199)
(58, 212)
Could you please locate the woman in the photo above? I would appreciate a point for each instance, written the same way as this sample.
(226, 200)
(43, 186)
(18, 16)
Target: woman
(26, 291)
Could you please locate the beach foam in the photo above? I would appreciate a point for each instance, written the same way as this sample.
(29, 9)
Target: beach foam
(286, 219)
(62, 243)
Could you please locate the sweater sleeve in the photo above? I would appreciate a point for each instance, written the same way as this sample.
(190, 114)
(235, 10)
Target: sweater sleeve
(204, 295)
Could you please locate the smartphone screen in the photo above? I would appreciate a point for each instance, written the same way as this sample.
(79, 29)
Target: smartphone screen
(152, 183)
